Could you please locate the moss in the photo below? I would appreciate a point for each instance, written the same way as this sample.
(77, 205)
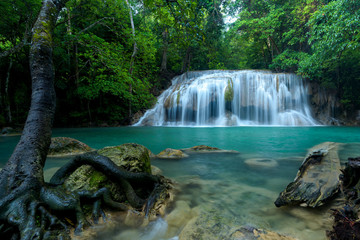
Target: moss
(96, 179)
(178, 98)
(131, 156)
(44, 28)
(229, 91)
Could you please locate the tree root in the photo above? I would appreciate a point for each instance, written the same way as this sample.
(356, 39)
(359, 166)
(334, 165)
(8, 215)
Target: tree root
(39, 213)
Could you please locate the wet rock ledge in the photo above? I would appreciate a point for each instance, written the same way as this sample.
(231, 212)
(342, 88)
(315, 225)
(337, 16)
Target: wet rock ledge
(317, 180)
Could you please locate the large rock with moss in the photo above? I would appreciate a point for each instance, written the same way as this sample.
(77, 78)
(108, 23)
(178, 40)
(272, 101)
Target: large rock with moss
(64, 146)
(317, 180)
(133, 157)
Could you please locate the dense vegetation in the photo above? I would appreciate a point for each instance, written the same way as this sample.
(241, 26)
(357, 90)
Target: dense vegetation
(112, 57)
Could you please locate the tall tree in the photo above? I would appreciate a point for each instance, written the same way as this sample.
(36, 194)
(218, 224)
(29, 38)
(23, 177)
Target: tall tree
(26, 201)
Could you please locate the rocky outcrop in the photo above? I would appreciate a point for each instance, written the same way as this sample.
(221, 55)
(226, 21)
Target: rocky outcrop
(346, 223)
(317, 180)
(9, 131)
(64, 146)
(325, 104)
(171, 153)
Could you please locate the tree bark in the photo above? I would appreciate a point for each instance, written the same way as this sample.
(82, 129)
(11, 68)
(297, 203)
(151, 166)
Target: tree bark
(187, 59)
(27, 202)
(7, 99)
(132, 60)
(23, 173)
(165, 50)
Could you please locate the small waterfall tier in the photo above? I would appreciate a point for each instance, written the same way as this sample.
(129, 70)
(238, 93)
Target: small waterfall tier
(232, 98)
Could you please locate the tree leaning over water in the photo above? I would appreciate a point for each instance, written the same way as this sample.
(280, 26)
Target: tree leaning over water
(30, 208)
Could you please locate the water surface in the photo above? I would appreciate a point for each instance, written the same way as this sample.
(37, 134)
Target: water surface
(226, 183)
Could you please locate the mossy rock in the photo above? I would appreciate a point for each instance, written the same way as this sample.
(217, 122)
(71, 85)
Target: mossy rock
(133, 157)
(171, 153)
(229, 91)
(64, 146)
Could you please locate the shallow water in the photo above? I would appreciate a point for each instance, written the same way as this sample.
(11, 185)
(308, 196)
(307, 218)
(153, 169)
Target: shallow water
(225, 183)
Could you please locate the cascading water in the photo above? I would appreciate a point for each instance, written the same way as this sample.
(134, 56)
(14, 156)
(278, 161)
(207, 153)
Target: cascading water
(232, 98)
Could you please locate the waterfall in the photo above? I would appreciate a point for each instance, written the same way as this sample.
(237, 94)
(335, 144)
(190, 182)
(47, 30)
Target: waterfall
(232, 98)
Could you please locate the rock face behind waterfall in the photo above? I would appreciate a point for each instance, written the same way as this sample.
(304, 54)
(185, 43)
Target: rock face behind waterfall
(232, 98)
(317, 179)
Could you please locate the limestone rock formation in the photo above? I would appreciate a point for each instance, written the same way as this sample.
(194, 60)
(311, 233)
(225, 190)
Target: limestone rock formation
(317, 179)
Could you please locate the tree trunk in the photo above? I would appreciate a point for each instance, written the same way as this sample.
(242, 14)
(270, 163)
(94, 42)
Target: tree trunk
(23, 173)
(132, 58)
(27, 203)
(186, 62)
(165, 50)
(7, 98)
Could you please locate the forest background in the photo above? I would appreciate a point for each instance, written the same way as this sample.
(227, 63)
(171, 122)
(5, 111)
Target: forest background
(113, 57)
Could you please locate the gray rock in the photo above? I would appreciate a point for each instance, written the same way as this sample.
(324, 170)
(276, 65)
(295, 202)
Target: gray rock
(317, 180)
(64, 146)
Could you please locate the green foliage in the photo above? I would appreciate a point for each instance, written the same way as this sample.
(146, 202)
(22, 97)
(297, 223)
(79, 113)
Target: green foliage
(318, 39)
(94, 43)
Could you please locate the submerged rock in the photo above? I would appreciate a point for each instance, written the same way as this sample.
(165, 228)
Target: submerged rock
(206, 149)
(261, 162)
(171, 153)
(212, 226)
(251, 233)
(317, 179)
(64, 146)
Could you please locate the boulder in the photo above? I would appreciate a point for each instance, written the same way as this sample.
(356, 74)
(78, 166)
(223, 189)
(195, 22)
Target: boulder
(64, 146)
(171, 153)
(317, 179)
(133, 157)
(9, 131)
